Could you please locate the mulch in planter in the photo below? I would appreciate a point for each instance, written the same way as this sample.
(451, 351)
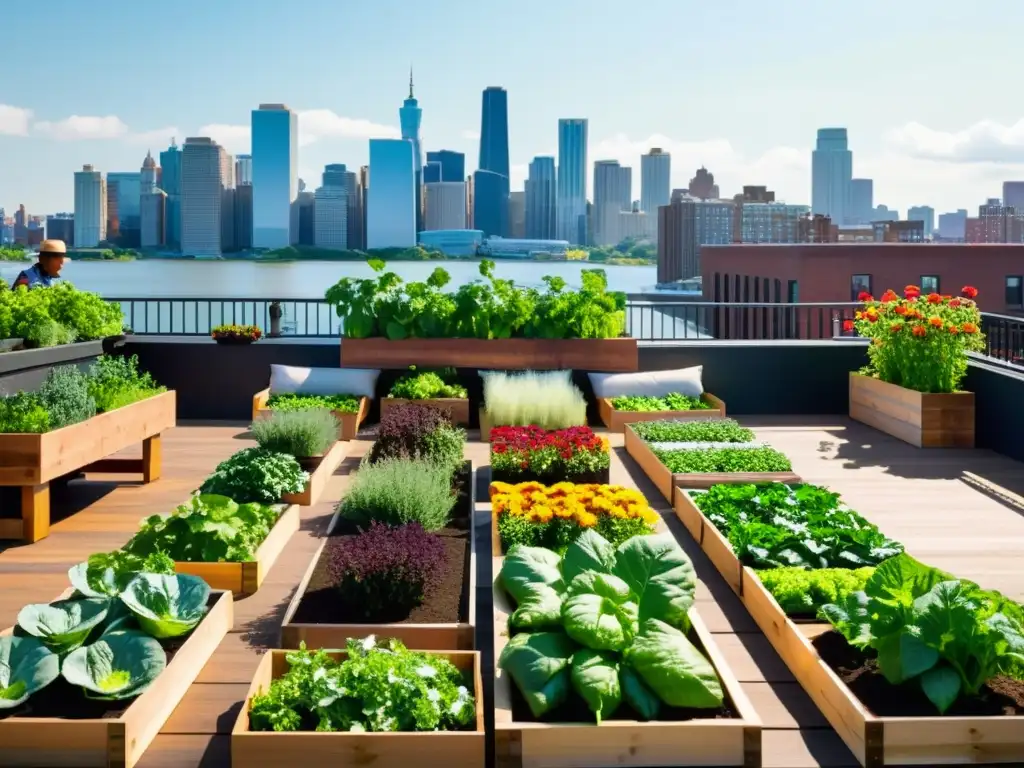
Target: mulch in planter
(575, 710)
(600, 477)
(860, 672)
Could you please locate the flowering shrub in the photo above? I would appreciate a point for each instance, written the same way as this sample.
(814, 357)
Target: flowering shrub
(414, 431)
(553, 516)
(384, 572)
(547, 454)
(920, 342)
(242, 334)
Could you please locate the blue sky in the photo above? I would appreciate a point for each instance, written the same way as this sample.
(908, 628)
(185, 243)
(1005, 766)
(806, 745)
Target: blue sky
(927, 89)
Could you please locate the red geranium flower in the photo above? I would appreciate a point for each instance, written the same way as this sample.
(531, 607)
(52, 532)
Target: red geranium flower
(969, 291)
(889, 296)
(920, 330)
(911, 291)
(848, 325)
(865, 296)
(934, 298)
(954, 302)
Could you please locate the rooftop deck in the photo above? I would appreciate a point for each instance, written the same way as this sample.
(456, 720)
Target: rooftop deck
(958, 510)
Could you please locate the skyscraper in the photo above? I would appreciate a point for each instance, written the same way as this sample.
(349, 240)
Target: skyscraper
(202, 195)
(431, 172)
(655, 180)
(148, 174)
(445, 205)
(862, 201)
(90, 207)
(453, 164)
(170, 181)
(926, 215)
(490, 203)
(613, 193)
(517, 215)
(330, 214)
(128, 189)
(831, 174)
(275, 155)
(572, 180)
(391, 199)
(243, 170)
(540, 199)
(356, 211)
(410, 116)
(494, 132)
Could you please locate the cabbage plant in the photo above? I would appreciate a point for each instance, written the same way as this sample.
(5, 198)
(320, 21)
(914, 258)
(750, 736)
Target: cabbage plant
(167, 606)
(119, 665)
(64, 625)
(26, 666)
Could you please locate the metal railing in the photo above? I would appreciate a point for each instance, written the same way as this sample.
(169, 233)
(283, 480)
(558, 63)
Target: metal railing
(1004, 337)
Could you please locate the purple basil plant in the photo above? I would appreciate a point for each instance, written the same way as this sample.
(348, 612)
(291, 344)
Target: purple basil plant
(404, 429)
(384, 573)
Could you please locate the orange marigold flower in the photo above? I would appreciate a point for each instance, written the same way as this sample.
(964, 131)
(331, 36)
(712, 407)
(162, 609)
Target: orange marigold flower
(969, 291)
(935, 321)
(934, 298)
(890, 295)
(919, 330)
(900, 309)
(953, 330)
(848, 325)
(969, 328)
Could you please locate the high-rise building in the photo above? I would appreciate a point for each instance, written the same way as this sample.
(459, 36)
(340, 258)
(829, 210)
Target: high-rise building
(453, 164)
(203, 183)
(364, 195)
(410, 116)
(862, 201)
(330, 215)
(996, 223)
(572, 180)
(127, 189)
(275, 158)
(304, 216)
(490, 203)
(170, 182)
(243, 216)
(90, 207)
(61, 226)
(685, 225)
(227, 204)
(21, 225)
(1013, 194)
(952, 226)
(445, 205)
(884, 213)
(831, 174)
(517, 215)
(702, 185)
(391, 199)
(356, 216)
(613, 193)
(493, 132)
(153, 218)
(770, 222)
(147, 176)
(431, 172)
(540, 199)
(243, 170)
(926, 215)
(655, 180)
(334, 175)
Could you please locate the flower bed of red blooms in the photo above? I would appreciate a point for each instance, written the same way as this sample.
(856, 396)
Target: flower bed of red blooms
(559, 454)
(920, 341)
(237, 333)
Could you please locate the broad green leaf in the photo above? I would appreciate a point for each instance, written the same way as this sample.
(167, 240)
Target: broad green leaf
(660, 575)
(539, 664)
(64, 625)
(892, 589)
(850, 618)
(525, 568)
(119, 665)
(589, 552)
(604, 584)
(636, 693)
(167, 606)
(942, 687)
(599, 621)
(26, 666)
(903, 657)
(673, 668)
(541, 609)
(595, 676)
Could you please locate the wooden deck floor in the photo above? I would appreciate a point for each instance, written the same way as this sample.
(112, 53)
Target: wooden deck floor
(958, 510)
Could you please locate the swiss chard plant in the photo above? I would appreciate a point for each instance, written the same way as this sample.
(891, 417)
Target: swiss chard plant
(931, 629)
(256, 475)
(773, 525)
(609, 623)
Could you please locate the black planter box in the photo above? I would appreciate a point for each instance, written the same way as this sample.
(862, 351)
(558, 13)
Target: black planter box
(24, 370)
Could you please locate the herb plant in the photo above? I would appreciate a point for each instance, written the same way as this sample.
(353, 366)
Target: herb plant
(384, 572)
(720, 459)
(207, 529)
(554, 455)
(427, 385)
(774, 525)
(301, 434)
(23, 412)
(800, 592)
(339, 403)
(546, 400)
(65, 396)
(931, 629)
(375, 688)
(418, 431)
(670, 402)
(398, 491)
(609, 623)
(59, 314)
(256, 475)
(703, 431)
(115, 381)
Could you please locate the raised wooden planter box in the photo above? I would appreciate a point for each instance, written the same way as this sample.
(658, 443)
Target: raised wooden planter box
(349, 422)
(319, 477)
(31, 461)
(261, 749)
(924, 420)
(612, 355)
(617, 420)
(875, 741)
(458, 407)
(700, 742)
(120, 741)
(669, 483)
(246, 578)
(459, 636)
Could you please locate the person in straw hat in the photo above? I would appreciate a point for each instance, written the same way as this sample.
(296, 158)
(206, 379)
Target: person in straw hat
(47, 270)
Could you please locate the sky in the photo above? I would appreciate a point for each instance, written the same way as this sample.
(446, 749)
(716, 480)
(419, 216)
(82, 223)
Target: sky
(926, 88)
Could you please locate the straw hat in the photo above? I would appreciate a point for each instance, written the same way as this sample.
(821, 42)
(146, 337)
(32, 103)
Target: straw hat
(53, 247)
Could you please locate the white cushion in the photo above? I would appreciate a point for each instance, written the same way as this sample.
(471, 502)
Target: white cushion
(292, 380)
(684, 381)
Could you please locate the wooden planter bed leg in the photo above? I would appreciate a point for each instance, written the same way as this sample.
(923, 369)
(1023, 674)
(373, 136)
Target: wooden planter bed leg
(151, 459)
(35, 512)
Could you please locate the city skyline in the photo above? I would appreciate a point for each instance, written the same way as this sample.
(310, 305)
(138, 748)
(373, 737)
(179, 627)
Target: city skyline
(950, 143)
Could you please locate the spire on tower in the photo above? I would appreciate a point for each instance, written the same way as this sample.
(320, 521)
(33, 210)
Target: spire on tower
(410, 81)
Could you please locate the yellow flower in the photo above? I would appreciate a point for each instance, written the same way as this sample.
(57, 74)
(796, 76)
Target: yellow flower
(586, 520)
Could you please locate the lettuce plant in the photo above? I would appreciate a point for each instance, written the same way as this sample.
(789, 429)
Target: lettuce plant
(607, 622)
(426, 385)
(121, 664)
(108, 574)
(167, 606)
(670, 402)
(290, 402)
(256, 475)
(699, 431)
(753, 458)
(799, 591)
(26, 666)
(927, 627)
(64, 625)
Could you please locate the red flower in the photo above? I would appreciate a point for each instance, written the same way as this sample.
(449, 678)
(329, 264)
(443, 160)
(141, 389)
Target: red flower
(911, 291)
(954, 302)
(900, 309)
(889, 296)
(935, 321)
(953, 330)
(934, 298)
(848, 325)
(969, 291)
(920, 330)
(865, 296)
(895, 327)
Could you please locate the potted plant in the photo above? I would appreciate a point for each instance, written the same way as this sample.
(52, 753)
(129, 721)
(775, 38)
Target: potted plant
(433, 389)
(917, 361)
(236, 334)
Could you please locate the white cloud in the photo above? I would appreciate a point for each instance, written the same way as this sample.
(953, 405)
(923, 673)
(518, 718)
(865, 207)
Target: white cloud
(158, 137)
(14, 121)
(984, 142)
(314, 125)
(236, 139)
(78, 127)
(471, 135)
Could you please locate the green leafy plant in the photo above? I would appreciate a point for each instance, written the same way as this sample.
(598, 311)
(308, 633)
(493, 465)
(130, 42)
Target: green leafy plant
(26, 666)
(256, 475)
(546, 400)
(56, 315)
(115, 381)
(670, 402)
(398, 491)
(23, 413)
(120, 665)
(63, 625)
(167, 606)
(302, 434)
(339, 403)
(701, 431)
(929, 628)
(207, 529)
(426, 385)
(773, 525)
(745, 459)
(240, 334)
(608, 622)
(800, 592)
(374, 688)
(65, 396)
(108, 574)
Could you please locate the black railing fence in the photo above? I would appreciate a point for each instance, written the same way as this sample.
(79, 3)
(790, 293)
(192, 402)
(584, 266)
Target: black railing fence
(1004, 337)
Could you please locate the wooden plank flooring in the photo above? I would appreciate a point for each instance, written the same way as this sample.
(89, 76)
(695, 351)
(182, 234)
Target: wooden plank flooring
(959, 510)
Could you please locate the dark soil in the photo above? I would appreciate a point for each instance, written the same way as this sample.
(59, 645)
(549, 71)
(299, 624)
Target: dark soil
(859, 670)
(462, 484)
(584, 478)
(575, 710)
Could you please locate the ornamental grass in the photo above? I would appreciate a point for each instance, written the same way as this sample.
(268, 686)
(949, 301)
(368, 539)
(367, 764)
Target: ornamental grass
(558, 453)
(553, 516)
(920, 342)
